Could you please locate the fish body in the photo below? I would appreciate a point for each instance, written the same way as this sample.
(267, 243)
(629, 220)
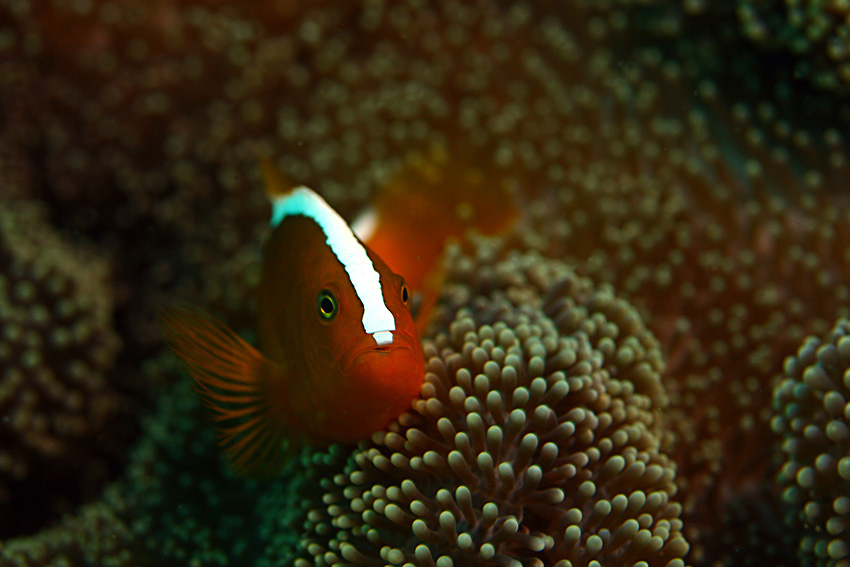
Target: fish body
(339, 354)
(436, 197)
(354, 372)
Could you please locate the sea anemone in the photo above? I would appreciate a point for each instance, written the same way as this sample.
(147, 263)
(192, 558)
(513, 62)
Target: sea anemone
(752, 532)
(536, 441)
(812, 412)
(730, 285)
(58, 350)
(670, 158)
(94, 534)
(175, 503)
(813, 35)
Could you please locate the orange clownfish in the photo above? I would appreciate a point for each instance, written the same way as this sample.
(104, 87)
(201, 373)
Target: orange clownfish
(436, 197)
(339, 354)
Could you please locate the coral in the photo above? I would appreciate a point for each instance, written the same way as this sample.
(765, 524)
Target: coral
(340, 93)
(584, 466)
(176, 502)
(114, 72)
(535, 441)
(58, 348)
(811, 415)
(111, 104)
(720, 238)
(546, 97)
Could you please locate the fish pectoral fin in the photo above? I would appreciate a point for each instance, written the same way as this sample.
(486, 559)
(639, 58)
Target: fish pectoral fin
(244, 391)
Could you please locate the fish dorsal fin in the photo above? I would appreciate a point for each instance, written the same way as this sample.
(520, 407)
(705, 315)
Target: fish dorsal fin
(276, 182)
(244, 391)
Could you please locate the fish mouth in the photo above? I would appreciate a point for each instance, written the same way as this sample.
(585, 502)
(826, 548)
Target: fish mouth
(376, 346)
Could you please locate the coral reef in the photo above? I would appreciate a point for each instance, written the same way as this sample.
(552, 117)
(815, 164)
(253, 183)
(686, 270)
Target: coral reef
(550, 384)
(185, 506)
(809, 37)
(811, 418)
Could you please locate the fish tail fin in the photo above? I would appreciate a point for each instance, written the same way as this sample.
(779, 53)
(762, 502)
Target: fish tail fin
(436, 196)
(244, 391)
(429, 296)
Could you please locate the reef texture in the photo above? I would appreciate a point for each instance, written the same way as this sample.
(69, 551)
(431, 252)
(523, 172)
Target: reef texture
(730, 284)
(672, 150)
(535, 441)
(812, 415)
(57, 349)
(95, 534)
(176, 502)
(752, 532)
(810, 38)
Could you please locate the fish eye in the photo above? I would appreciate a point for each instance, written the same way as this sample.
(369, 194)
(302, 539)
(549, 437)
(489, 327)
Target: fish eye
(326, 305)
(405, 294)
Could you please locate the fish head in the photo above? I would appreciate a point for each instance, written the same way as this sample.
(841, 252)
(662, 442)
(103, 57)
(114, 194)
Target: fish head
(338, 317)
(371, 375)
(384, 358)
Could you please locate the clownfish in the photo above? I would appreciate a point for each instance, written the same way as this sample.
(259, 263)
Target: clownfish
(339, 356)
(435, 198)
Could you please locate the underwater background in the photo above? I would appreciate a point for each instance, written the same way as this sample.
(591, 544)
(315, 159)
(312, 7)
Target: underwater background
(653, 369)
